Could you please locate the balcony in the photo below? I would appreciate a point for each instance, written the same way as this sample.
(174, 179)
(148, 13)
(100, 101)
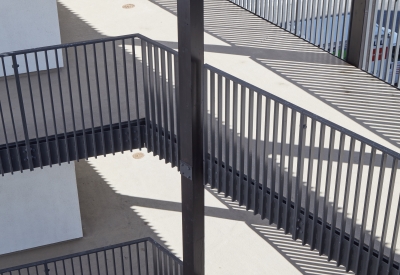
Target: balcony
(117, 94)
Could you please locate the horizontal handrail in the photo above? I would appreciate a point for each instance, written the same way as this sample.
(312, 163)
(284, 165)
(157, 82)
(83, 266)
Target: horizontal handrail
(308, 113)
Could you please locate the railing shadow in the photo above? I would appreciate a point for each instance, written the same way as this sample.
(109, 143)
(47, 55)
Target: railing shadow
(356, 94)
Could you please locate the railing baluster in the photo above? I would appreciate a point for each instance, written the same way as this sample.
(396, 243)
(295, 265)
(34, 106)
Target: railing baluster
(309, 180)
(273, 164)
(218, 176)
(117, 96)
(376, 208)
(90, 101)
(327, 189)
(257, 153)
(39, 153)
(171, 110)
(242, 142)
(228, 186)
(290, 172)
(282, 168)
(355, 205)
(297, 228)
(365, 210)
(62, 106)
(96, 73)
(387, 216)
(71, 105)
(250, 151)
(80, 101)
(52, 108)
(318, 187)
(346, 201)
(394, 238)
(164, 104)
(6, 140)
(136, 97)
(213, 172)
(151, 97)
(146, 95)
(128, 109)
(336, 196)
(11, 114)
(235, 112)
(157, 99)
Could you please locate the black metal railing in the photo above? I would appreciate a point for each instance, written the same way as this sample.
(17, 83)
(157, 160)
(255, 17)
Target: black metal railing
(73, 101)
(331, 188)
(328, 186)
(144, 256)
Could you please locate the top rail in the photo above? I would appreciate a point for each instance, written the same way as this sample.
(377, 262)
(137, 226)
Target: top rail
(89, 42)
(308, 113)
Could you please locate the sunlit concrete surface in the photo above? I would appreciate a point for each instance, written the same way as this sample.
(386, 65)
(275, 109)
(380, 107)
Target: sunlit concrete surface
(124, 198)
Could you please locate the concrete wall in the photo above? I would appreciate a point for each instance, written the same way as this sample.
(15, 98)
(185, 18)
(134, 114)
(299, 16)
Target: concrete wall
(26, 24)
(39, 208)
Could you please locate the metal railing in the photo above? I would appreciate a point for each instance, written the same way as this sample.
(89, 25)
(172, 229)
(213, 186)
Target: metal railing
(324, 23)
(74, 101)
(144, 256)
(331, 188)
(382, 42)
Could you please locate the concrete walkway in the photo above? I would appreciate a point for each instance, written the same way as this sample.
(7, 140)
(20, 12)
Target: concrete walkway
(124, 198)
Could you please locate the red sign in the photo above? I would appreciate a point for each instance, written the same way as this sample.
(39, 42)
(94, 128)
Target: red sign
(380, 53)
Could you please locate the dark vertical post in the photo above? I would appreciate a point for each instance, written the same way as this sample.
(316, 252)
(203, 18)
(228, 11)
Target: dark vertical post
(191, 59)
(357, 29)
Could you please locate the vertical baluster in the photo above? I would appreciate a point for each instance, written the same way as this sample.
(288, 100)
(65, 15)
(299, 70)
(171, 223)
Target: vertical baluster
(52, 108)
(157, 101)
(376, 208)
(96, 72)
(80, 101)
(228, 186)
(282, 168)
(257, 153)
(299, 177)
(207, 168)
(12, 115)
(171, 110)
(218, 176)
(387, 217)
(235, 112)
(146, 95)
(309, 180)
(164, 104)
(62, 105)
(128, 110)
(366, 208)
(317, 194)
(213, 171)
(39, 153)
(242, 142)
(90, 102)
(117, 96)
(355, 205)
(327, 189)
(336, 196)
(250, 151)
(71, 105)
(290, 171)
(152, 102)
(346, 201)
(273, 164)
(136, 95)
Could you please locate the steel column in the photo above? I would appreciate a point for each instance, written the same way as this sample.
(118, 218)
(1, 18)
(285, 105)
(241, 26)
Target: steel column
(358, 22)
(191, 59)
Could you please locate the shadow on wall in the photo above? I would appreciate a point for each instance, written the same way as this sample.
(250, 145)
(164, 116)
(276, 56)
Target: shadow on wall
(356, 94)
